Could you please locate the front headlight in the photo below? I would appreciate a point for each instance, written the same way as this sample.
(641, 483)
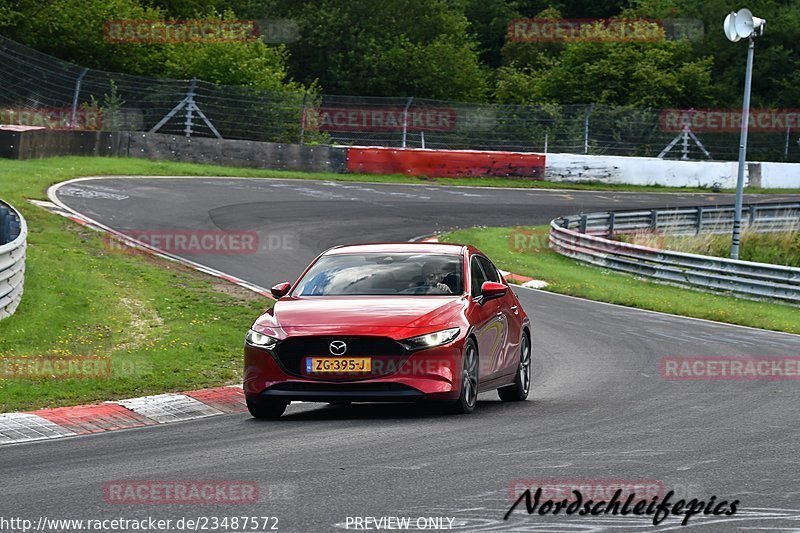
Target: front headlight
(430, 340)
(259, 340)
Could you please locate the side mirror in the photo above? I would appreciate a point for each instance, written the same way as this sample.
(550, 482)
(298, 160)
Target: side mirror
(491, 290)
(280, 289)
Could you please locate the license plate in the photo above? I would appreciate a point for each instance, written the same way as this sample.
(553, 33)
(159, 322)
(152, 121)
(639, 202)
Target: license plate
(317, 365)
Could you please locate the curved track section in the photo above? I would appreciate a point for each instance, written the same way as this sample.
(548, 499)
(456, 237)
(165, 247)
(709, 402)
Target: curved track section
(599, 409)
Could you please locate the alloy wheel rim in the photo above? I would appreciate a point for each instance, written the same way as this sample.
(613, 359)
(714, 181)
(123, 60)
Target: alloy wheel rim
(470, 377)
(525, 365)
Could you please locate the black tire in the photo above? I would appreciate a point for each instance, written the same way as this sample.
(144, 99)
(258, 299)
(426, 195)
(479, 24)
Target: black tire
(518, 392)
(469, 382)
(266, 408)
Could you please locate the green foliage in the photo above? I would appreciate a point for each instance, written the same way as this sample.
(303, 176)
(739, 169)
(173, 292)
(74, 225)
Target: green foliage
(389, 48)
(448, 49)
(651, 75)
(253, 64)
(8, 15)
(73, 30)
(777, 56)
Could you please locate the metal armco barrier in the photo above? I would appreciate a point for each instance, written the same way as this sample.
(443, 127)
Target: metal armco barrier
(13, 241)
(590, 238)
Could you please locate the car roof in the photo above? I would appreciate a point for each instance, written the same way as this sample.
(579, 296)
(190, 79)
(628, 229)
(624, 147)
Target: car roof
(400, 247)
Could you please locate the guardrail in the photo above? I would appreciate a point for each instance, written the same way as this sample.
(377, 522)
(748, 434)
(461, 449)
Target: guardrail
(588, 237)
(13, 242)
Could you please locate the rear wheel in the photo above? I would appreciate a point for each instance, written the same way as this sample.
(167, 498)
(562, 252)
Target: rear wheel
(266, 408)
(522, 384)
(469, 381)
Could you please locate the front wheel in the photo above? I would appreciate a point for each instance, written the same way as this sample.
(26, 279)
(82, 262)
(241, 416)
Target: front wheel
(469, 381)
(266, 408)
(518, 391)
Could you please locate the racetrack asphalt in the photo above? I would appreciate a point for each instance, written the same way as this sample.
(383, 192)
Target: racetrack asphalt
(598, 411)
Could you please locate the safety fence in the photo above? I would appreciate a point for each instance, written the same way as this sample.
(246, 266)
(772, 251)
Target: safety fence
(590, 238)
(37, 89)
(13, 241)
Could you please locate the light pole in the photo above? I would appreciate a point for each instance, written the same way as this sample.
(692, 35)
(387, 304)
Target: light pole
(742, 25)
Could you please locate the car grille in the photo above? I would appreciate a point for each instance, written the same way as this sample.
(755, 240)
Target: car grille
(291, 354)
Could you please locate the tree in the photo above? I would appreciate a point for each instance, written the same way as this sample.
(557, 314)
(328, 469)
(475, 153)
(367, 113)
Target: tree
(777, 57)
(632, 74)
(74, 30)
(388, 48)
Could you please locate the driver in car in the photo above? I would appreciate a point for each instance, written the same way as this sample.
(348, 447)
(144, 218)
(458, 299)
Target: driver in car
(432, 280)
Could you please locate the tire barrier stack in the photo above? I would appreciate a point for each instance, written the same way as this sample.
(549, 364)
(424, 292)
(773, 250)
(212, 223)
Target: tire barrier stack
(13, 241)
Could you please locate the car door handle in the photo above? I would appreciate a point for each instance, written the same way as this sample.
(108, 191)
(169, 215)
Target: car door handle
(515, 309)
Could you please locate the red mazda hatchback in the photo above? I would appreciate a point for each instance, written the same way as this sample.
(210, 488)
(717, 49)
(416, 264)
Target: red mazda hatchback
(387, 323)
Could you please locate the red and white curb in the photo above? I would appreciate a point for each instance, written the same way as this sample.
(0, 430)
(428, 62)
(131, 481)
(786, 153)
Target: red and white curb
(122, 414)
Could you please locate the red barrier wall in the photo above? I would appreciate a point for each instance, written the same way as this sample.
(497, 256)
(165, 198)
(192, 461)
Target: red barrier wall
(445, 163)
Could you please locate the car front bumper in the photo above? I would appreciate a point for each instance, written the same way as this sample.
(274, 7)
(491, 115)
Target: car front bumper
(432, 374)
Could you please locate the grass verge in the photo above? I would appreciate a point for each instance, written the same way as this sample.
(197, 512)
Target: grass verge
(524, 250)
(163, 326)
(779, 248)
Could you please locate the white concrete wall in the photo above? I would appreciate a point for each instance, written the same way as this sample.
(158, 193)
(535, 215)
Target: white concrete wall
(644, 171)
(776, 175)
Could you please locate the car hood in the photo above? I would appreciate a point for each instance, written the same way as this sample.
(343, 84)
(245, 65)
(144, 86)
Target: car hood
(366, 312)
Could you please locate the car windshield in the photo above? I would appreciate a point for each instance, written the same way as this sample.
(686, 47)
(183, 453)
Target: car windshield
(374, 274)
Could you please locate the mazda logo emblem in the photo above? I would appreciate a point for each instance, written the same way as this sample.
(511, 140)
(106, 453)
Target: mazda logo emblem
(338, 348)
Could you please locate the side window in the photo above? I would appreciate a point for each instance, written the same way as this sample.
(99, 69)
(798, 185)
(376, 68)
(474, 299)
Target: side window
(489, 269)
(478, 277)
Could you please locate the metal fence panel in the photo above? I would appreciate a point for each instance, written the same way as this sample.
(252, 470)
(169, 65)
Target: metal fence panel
(588, 238)
(34, 85)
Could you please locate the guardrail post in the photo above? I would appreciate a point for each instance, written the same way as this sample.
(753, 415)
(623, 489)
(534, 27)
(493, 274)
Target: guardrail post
(582, 228)
(752, 218)
(699, 227)
(612, 219)
(187, 124)
(76, 92)
(405, 120)
(654, 219)
(303, 118)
